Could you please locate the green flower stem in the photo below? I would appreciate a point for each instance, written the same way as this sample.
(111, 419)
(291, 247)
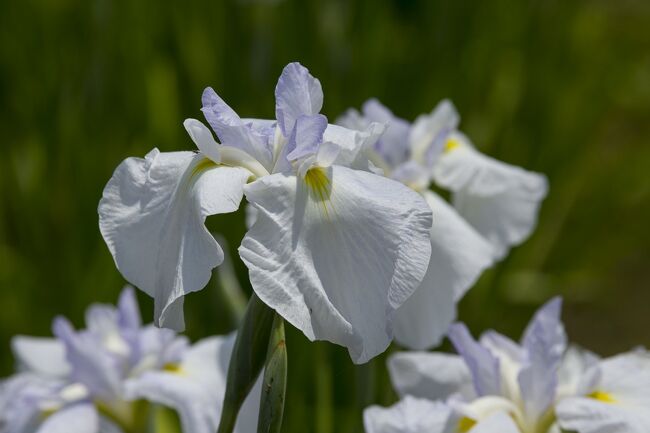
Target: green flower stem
(274, 386)
(247, 360)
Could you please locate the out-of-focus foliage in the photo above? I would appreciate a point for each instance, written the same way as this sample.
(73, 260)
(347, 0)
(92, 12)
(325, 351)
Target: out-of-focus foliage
(561, 87)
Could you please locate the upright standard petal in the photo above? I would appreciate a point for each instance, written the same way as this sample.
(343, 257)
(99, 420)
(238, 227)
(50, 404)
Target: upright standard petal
(91, 364)
(297, 94)
(481, 362)
(231, 129)
(410, 415)
(500, 200)
(430, 375)
(393, 144)
(429, 132)
(337, 252)
(43, 356)
(544, 344)
(306, 136)
(152, 216)
(425, 317)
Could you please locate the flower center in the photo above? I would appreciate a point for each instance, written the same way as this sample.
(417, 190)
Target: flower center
(602, 396)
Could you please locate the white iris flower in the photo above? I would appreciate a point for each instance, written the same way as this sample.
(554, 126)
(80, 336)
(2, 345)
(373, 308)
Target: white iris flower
(335, 249)
(495, 207)
(102, 379)
(496, 385)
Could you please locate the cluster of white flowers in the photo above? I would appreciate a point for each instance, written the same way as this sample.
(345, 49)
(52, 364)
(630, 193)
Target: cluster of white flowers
(348, 243)
(495, 385)
(105, 378)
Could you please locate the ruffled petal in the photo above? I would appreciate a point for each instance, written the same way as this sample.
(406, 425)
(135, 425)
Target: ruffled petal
(500, 200)
(425, 317)
(430, 375)
(410, 415)
(337, 252)
(43, 356)
(297, 94)
(152, 216)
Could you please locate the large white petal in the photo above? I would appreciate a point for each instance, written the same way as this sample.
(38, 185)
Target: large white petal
(587, 415)
(430, 375)
(458, 257)
(338, 257)
(500, 200)
(620, 401)
(78, 418)
(44, 356)
(152, 216)
(410, 415)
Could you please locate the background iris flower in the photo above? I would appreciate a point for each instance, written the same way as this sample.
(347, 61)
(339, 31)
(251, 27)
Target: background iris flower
(111, 376)
(495, 207)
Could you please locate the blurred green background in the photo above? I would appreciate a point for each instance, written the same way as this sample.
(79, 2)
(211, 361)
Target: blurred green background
(560, 87)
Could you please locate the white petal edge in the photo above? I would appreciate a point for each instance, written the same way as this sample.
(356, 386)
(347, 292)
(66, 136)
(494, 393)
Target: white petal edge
(423, 320)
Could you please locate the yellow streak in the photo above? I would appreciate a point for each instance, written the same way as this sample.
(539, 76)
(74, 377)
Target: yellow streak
(173, 368)
(320, 187)
(202, 165)
(465, 424)
(451, 144)
(602, 396)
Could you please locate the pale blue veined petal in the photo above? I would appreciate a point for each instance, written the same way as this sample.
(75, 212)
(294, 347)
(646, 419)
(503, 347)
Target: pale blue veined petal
(483, 365)
(297, 94)
(544, 343)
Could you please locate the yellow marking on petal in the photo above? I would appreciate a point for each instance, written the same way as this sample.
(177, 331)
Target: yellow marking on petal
(320, 187)
(203, 165)
(173, 368)
(602, 396)
(465, 424)
(451, 144)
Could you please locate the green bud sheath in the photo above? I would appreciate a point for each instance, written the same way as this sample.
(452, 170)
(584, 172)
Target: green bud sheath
(275, 381)
(247, 359)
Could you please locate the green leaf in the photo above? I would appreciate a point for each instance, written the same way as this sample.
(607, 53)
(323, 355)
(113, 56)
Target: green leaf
(274, 386)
